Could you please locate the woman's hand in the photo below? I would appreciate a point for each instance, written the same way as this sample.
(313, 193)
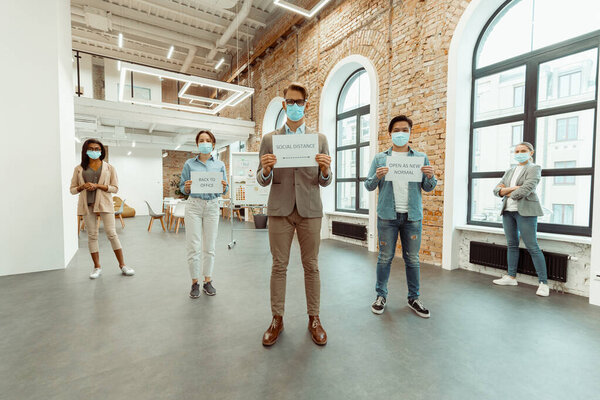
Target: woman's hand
(381, 172)
(90, 187)
(507, 191)
(224, 186)
(188, 186)
(427, 170)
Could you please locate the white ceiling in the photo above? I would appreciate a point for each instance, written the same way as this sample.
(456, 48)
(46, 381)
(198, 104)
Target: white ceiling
(150, 27)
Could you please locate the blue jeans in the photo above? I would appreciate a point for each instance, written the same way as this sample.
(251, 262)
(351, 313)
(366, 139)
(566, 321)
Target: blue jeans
(514, 223)
(410, 238)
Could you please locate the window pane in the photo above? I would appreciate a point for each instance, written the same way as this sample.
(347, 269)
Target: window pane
(355, 93)
(565, 137)
(364, 197)
(495, 94)
(484, 205)
(364, 128)
(346, 195)
(568, 80)
(493, 146)
(564, 180)
(365, 162)
(526, 25)
(346, 164)
(346, 133)
(567, 204)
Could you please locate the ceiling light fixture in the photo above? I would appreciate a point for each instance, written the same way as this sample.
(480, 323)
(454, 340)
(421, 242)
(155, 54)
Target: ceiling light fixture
(129, 153)
(120, 40)
(77, 139)
(302, 11)
(118, 65)
(221, 61)
(170, 53)
(178, 147)
(165, 154)
(238, 93)
(133, 144)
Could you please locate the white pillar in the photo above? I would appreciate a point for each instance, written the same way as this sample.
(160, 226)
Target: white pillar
(37, 154)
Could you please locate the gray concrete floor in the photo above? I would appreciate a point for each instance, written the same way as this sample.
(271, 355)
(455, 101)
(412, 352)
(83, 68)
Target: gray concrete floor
(63, 336)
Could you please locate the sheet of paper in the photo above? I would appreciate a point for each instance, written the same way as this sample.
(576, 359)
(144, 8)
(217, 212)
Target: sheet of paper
(293, 151)
(404, 168)
(206, 182)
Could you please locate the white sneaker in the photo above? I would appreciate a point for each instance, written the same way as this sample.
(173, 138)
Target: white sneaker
(506, 280)
(127, 271)
(543, 290)
(96, 274)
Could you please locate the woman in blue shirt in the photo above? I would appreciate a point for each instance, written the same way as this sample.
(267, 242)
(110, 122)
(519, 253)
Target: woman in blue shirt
(202, 214)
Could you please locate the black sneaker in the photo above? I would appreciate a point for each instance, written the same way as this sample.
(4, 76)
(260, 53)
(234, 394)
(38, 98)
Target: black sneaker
(195, 292)
(208, 289)
(418, 308)
(379, 305)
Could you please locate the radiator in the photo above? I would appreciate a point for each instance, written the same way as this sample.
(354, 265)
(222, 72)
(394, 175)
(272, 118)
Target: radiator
(494, 255)
(345, 229)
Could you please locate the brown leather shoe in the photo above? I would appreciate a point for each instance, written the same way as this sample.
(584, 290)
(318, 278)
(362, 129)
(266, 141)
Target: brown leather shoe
(271, 335)
(316, 330)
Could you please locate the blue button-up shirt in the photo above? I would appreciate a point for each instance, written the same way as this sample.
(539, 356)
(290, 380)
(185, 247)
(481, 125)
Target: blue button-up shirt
(301, 129)
(386, 204)
(211, 165)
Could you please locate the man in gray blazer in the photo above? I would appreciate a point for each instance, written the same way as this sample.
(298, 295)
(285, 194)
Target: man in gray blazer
(294, 206)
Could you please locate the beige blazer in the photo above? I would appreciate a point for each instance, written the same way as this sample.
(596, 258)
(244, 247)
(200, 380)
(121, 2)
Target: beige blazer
(294, 186)
(104, 201)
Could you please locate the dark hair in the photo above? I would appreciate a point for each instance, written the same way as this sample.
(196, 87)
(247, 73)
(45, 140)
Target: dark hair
(297, 86)
(399, 118)
(209, 133)
(85, 159)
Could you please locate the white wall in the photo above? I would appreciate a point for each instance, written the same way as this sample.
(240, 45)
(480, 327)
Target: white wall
(38, 230)
(140, 177)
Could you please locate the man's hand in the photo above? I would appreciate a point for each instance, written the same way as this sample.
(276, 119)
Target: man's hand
(427, 170)
(381, 172)
(188, 186)
(268, 161)
(224, 186)
(324, 162)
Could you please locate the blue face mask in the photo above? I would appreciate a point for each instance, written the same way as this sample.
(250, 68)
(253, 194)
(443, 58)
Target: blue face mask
(205, 147)
(400, 138)
(522, 157)
(295, 112)
(94, 155)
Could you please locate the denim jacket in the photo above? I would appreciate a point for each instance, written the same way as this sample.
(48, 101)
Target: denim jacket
(386, 205)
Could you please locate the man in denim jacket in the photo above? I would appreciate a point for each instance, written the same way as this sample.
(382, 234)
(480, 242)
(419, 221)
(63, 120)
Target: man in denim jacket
(399, 211)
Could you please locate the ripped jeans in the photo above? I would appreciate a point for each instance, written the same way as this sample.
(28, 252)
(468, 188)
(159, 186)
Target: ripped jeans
(410, 238)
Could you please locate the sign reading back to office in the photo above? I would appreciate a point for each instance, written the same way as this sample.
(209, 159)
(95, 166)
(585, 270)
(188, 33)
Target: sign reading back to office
(293, 151)
(404, 168)
(206, 182)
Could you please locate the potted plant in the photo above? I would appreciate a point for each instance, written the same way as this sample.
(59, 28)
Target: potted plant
(174, 184)
(260, 218)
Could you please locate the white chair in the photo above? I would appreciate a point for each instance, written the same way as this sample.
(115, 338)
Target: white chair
(179, 213)
(154, 216)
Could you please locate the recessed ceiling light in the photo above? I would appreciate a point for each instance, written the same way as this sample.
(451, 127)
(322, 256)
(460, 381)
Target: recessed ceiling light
(129, 153)
(178, 147)
(133, 144)
(120, 40)
(165, 154)
(170, 53)
(221, 61)
(302, 11)
(77, 139)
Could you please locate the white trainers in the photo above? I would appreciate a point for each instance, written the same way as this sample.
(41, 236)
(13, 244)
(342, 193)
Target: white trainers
(506, 280)
(543, 290)
(125, 270)
(96, 274)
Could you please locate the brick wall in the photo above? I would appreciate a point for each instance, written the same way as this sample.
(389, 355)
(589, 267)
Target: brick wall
(407, 42)
(172, 165)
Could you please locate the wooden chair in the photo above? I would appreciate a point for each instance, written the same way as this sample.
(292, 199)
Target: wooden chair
(154, 216)
(119, 213)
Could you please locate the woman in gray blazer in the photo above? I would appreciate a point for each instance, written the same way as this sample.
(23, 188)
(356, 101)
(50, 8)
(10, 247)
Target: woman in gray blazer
(520, 211)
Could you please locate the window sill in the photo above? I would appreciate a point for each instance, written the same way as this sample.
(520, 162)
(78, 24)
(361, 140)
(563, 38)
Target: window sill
(540, 235)
(345, 214)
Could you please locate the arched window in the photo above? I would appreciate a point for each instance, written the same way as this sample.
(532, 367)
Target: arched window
(281, 118)
(352, 144)
(535, 79)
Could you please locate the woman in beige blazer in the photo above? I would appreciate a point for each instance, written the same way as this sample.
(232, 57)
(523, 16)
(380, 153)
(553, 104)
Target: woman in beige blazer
(95, 181)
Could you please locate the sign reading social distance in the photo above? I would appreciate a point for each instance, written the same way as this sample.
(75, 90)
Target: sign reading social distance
(404, 168)
(206, 182)
(293, 151)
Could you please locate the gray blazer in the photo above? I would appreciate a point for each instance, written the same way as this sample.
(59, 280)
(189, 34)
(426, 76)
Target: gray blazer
(527, 199)
(294, 186)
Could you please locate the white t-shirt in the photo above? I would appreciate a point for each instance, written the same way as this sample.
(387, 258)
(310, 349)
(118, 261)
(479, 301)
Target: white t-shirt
(511, 205)
(400, 192)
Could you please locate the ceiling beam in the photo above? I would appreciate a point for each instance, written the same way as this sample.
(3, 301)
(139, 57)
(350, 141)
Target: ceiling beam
(256, 16)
